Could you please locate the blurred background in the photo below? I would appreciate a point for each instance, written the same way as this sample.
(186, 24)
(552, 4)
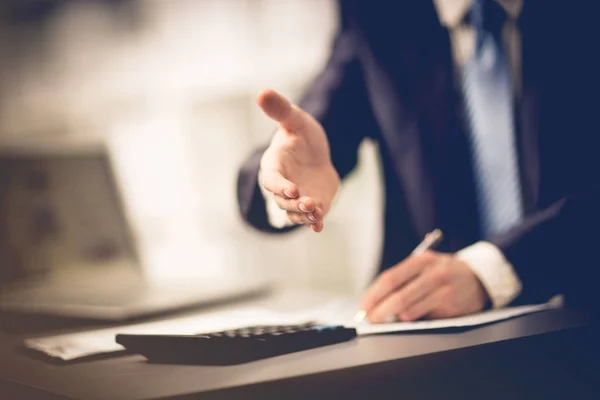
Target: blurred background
(169, 87)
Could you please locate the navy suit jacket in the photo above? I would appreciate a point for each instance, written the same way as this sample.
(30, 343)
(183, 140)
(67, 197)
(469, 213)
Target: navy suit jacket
(391, 78)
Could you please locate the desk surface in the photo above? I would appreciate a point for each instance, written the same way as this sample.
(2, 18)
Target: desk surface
(397, 356)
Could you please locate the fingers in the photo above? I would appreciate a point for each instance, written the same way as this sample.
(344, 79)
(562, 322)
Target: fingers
(318, 227)
(306, 218)
(278, 108)
(275, 183)
(394, 278)
(405, 298)
(300, 210)
(303, 204)
(424, 307)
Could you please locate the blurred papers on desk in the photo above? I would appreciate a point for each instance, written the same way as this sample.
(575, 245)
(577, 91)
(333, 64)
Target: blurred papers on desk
(74, 346)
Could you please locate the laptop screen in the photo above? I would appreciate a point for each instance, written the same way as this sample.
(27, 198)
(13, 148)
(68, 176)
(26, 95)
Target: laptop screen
(60, 211)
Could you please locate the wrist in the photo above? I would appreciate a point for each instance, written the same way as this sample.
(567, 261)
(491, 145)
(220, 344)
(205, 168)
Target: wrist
(496, 274)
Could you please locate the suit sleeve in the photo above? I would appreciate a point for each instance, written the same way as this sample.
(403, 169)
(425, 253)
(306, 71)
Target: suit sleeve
(553, 252)
(337, 98)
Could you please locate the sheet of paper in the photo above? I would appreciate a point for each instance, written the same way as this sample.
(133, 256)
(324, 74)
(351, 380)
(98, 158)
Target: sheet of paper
(82, 344)
(340, 311)
(482, 318)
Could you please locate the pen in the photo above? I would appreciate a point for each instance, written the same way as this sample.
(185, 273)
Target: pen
(429, 241)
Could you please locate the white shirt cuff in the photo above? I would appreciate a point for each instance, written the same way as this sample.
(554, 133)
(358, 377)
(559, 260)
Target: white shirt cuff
(277, 217)
(493, 270)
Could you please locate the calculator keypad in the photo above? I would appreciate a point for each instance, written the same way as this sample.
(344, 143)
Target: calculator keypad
(262, 330)
(236, 345)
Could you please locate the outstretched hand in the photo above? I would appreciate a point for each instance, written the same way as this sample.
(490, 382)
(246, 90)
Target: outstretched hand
(296, 168)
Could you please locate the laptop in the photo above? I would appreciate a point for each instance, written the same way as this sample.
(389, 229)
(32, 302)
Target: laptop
(67, 247)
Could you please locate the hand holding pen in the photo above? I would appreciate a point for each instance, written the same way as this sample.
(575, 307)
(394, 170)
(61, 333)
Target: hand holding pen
(425, 284)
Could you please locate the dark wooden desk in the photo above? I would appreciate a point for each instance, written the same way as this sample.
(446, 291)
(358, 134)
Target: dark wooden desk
(536, 356)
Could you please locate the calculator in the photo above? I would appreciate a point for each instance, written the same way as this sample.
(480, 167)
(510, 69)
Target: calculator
(235, 346)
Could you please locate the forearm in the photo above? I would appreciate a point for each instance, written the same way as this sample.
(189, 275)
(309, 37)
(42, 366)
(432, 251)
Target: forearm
(501, 279)
(552, 252)
(529, 262)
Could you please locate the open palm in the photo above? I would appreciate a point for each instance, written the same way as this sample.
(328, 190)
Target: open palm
(296, 168)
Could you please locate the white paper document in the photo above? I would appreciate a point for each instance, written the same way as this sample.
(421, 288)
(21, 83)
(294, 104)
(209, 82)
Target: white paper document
(342, 311)
(459, 322)
(77, 345)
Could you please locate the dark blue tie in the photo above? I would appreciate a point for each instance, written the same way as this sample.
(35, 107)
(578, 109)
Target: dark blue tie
(489, 105)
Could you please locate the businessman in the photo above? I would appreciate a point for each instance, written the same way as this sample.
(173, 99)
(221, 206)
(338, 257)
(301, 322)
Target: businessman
(483, 111)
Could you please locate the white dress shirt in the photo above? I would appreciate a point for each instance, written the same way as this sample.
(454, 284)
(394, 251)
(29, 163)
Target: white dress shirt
(488, 263)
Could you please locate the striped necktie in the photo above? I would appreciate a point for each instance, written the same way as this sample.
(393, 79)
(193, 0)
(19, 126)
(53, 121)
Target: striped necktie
(489, 108)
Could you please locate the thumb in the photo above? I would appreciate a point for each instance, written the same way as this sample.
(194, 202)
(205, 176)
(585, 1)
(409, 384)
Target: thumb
(281, 110)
